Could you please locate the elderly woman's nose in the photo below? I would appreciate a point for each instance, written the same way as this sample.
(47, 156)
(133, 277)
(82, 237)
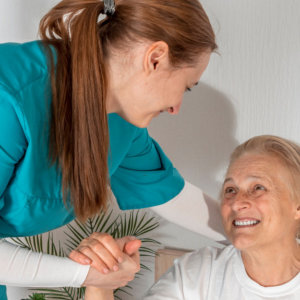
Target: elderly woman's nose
(241, 201)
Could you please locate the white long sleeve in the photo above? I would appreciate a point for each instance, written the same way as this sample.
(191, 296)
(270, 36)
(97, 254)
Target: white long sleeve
(195, 211)
(25, 268)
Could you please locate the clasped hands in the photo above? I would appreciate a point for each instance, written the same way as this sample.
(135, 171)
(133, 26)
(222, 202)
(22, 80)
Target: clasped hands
(113, 262)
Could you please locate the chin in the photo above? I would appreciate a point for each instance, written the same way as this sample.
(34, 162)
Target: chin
(141, 124)
(144, 122)
(137, 122)
(242, 243)
(141, 121)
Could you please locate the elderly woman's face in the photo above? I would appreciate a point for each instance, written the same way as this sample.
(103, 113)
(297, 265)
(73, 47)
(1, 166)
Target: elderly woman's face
(257, 208)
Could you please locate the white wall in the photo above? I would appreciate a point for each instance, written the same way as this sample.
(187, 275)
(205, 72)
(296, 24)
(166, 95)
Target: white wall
(250, 88)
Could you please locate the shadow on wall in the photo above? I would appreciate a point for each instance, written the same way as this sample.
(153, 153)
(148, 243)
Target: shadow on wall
(200, 138)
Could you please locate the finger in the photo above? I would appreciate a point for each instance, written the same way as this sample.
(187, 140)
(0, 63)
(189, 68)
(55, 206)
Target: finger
(132, 246)
(123, 284)
(110, 244)
(124, 240)
(97, 261)
(100, 250)
(136, 258)
(135, 262)
(80, 257)
(105, 256)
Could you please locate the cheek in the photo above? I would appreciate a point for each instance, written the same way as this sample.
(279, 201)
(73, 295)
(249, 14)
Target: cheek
(176, 97)
(225, 212)
(268, 206)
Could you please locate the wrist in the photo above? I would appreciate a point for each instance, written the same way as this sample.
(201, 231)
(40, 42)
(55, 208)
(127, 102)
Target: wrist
(94, 293)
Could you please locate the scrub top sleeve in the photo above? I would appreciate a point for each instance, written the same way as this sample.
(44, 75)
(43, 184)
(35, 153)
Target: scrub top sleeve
(12, 140)
(145, 177)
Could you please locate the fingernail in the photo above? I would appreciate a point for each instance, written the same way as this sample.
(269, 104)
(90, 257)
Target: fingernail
(120, 260)
(87, 261)
(105, 271)
(115, 268)
(132, 238)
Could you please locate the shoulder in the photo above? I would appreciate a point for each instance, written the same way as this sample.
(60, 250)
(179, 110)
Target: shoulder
(22, 64)
(192, 276)
(25, 83)
(206, 258)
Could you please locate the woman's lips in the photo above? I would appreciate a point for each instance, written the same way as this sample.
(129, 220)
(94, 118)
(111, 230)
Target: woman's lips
(245, 222)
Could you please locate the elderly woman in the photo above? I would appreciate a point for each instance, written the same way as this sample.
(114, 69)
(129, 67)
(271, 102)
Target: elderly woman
(261, 217)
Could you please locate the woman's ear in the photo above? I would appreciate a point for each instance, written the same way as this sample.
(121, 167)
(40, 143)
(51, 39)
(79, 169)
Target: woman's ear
(156, 57)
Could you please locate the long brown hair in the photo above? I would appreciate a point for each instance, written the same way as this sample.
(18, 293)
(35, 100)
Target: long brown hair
(82, 43)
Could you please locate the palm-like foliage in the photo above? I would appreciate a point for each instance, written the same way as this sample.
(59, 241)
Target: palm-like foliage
(36, 297)
(132, 224)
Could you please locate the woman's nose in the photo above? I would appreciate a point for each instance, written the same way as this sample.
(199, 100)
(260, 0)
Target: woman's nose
(174, 110)
(240, 202)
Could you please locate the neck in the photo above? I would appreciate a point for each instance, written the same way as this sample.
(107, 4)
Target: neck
(271, 266)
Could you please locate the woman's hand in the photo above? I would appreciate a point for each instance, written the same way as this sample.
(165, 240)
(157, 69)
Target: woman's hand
(101, 251)
(126, 271)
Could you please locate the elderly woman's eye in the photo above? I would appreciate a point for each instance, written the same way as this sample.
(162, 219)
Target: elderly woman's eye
(259, 187)
(229, 190)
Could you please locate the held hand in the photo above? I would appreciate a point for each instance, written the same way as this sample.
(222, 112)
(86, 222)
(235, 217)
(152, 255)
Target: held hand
(126, 272)
(102, 252)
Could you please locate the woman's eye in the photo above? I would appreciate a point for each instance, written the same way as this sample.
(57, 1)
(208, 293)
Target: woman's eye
(188, 89)
(259, 187)
(230, 190)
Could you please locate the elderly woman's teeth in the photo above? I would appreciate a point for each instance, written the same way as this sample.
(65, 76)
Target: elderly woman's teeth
(245, 223)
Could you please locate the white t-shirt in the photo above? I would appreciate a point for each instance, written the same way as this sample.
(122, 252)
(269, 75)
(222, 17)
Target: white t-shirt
(216, 274)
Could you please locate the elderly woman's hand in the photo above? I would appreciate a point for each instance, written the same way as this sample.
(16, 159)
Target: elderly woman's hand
(113, 280)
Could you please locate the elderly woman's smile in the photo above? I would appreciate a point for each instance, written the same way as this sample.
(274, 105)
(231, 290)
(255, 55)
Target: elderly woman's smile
(245, 222)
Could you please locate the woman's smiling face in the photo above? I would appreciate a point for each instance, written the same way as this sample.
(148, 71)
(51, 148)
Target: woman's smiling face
(257, 208)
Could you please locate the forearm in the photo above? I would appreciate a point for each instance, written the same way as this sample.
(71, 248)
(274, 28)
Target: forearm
(195, 211)
(22, 267)
(93, 293)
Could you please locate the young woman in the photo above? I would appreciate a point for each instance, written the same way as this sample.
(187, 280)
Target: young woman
(73, 112)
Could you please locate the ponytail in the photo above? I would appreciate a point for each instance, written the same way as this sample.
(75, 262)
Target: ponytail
(79, 130)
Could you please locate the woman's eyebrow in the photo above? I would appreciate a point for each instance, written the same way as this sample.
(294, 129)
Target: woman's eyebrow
(227, 179)
(248, 177)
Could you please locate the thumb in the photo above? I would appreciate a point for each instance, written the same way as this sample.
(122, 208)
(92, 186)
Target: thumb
(132, 247)
(129, 244)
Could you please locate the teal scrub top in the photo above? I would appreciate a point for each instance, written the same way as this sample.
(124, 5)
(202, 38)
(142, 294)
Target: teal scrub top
(30, 187)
